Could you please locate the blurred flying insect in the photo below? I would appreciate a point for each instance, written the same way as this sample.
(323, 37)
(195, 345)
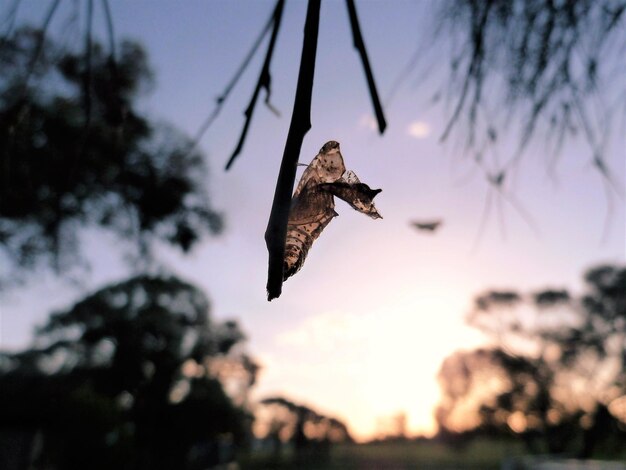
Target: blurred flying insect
(427, 225)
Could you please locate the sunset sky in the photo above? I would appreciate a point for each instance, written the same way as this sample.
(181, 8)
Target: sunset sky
(361, 330)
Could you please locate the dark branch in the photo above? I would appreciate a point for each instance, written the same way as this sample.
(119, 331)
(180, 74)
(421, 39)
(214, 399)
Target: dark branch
(474, 72)
(360, 46)
(112, 65)
(87, 76)
(10, 20)
(39, 48)
(300, 124)
(222, 98)
(263, 82)
(548, 58)
(110, 31)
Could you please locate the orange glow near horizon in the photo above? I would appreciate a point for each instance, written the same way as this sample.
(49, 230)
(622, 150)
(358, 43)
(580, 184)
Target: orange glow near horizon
(361, 367)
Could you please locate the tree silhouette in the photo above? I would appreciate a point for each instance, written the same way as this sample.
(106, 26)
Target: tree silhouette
(310, 432)
(557, 365)
(75, 152)
(124, 378)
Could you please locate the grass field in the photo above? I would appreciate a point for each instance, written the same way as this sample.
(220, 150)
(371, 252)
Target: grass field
(481, 454)
(478, 454)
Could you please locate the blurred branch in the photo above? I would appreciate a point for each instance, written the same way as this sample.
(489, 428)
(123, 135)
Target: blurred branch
(222, 98)
(134, 177)
(549, 68)
(360, 46)
(87, 76)
(10, 21)
(87, 86)
(38, 49)
(112, 65)
(474, 71)
(110, 31)
(264, 81)
(276, 231)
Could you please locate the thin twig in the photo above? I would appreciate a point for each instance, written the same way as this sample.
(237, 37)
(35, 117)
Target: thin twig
(114, 73)
(609, 212)
(500, 216)
(276, 231)
(598, 160)
(19, 113)
(473, 70)
(483, 219)
(402, 77)
(119, 107)
(86, 79)
(360, 46)
(222, 98)
(10, 20)
(264, 81)
(523, 213)
(39, 47)
(461, 103)
(87, 76)
(110, 31)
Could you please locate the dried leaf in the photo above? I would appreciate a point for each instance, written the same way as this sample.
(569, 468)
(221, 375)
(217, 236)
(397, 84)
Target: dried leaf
(313, 204)
(359, 195)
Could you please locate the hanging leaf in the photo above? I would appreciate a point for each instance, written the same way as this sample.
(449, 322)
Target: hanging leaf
(313, 203)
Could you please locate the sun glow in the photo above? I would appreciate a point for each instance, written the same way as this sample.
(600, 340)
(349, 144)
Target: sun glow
(371, 365)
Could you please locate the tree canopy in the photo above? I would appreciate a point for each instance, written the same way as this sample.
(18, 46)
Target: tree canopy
(556, 371)
(76, 152)
(124, 379)
(311, 433)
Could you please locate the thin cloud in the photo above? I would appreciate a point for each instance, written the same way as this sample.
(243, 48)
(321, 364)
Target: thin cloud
(369, 122)
(325, 331)
(419, 129)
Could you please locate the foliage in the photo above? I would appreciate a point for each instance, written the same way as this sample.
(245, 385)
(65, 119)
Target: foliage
(558, 363)
(122, 380)
(550, 60)
(310, 433)
(76, 152)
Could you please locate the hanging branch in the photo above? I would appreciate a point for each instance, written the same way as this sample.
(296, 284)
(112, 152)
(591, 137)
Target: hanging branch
(86, 89)
(10, 20)
(222, 98)
(276, 231)
(263, 82)
(360, 46)
(40, 41)
(87, 76)
(117, 104)
(110, 31)
(19, 115)
(474, 73)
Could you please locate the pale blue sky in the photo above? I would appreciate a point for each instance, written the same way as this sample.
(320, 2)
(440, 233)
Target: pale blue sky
(361, 330)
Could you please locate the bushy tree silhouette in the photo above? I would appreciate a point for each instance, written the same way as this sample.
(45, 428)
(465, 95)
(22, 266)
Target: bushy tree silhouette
(311, 433)
(122, 380)
(555, 372)
(75, 152)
